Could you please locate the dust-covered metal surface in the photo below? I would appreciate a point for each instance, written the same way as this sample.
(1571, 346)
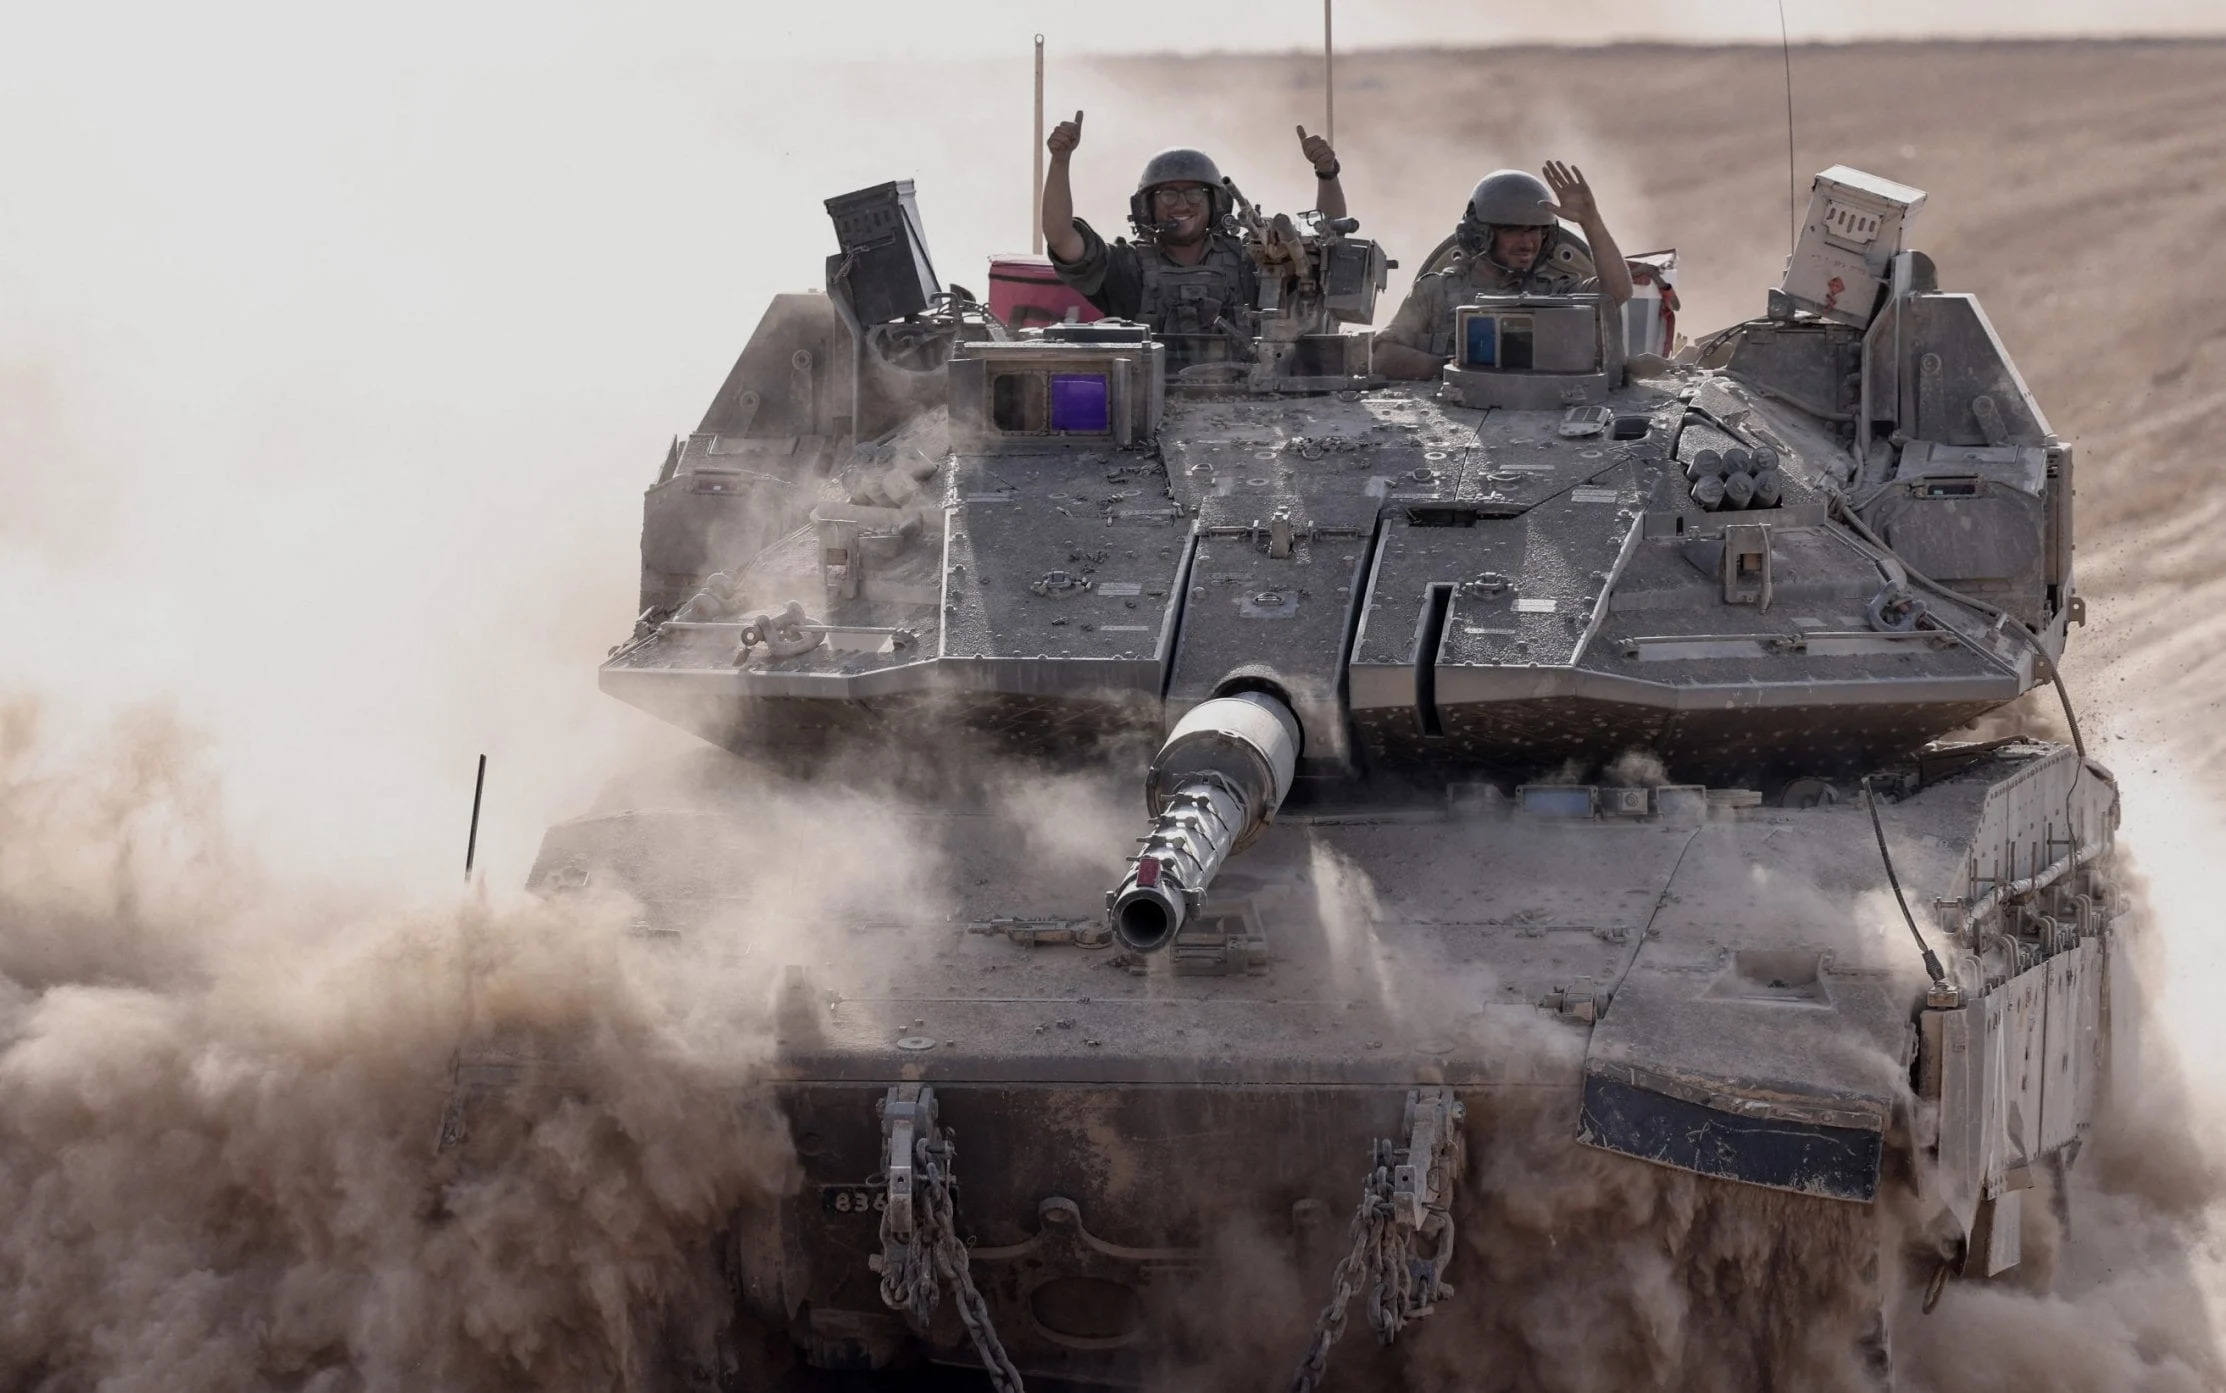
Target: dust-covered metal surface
(1509, 734)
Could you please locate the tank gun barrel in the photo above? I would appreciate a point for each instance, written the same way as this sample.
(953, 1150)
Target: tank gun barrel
(1213, 786)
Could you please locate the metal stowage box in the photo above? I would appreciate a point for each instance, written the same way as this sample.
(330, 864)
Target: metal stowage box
(878, 229)
(1857, 223)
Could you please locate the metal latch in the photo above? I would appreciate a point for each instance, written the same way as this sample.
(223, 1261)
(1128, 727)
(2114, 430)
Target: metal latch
(1423, 1181)
(1745, 568)
(906, 1114)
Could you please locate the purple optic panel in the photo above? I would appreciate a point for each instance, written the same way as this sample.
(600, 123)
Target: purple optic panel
(1078, 403)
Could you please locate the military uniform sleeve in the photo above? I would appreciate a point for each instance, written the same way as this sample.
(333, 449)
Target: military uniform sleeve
(1417, 323)
(1571, 259)
(1106, 275)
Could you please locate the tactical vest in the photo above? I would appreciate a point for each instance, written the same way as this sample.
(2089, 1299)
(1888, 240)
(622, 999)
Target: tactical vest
(1188, 299)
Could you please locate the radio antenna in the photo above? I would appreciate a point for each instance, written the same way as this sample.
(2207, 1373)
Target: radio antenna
(1035, 201)
(1792, 179)
(1329, 79)
(471, 843)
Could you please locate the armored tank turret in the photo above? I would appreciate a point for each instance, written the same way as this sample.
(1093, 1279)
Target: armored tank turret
(1525, 766)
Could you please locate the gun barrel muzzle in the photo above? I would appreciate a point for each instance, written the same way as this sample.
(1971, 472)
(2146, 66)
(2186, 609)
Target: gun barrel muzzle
(1213, 786)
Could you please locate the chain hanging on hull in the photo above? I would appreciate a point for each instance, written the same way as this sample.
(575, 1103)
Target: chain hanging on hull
(1407, 1197)
(919, 1232)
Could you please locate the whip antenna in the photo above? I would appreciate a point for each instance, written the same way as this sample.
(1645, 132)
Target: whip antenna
(471, 843)
(1792, 180)
(1035, 200)
(1329, 79)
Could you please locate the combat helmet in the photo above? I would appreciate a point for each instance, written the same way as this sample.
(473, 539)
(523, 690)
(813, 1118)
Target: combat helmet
(1179, 166)
(1505, 198)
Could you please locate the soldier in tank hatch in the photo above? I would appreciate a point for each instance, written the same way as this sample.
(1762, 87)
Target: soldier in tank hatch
(1186, 273)
(1512, 243)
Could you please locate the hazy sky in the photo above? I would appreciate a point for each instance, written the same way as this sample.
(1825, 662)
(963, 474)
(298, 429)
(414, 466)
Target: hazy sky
(1157, 25)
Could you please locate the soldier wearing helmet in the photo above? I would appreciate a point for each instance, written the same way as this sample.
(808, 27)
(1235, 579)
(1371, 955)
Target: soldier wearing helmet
(1512, 243)
(1185, 274)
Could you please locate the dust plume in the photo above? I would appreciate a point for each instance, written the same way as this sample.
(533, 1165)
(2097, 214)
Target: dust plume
(219, 1096)
(1345, 906)
(2124, 1276)
(1578, 1270)
(1620, 1276)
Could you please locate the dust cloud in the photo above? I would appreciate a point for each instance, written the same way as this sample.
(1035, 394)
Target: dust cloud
(219, 1096)
(2124, 1278)
(323, 417)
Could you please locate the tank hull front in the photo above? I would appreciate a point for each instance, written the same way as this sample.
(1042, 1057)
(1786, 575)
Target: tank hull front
(1676, 1022)
(1126, 1234)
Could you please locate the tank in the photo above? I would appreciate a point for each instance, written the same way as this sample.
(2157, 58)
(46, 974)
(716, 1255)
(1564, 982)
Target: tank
(1518, 806)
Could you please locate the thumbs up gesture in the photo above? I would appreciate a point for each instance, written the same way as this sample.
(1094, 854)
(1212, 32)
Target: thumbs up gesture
(1064, 137)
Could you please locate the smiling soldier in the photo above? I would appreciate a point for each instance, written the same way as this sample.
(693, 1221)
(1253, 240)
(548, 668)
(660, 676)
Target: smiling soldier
(1186, 275)
(1512, 243)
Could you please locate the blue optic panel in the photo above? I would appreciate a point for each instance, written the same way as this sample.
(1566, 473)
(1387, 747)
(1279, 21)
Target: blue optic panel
(1482, 348)
(1079, 403)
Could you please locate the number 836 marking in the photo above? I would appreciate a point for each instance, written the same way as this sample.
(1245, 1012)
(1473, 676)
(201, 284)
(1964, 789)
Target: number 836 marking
(853, 1199)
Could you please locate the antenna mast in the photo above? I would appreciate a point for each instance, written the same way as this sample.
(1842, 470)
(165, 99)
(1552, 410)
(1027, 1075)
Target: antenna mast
(1792, 179)
(1329, 80)
(471, 843)
(1035, 201)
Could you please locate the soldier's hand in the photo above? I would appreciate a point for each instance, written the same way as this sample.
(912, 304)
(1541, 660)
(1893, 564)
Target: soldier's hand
(1064, 137)
(1573, 194)
(1317, 151)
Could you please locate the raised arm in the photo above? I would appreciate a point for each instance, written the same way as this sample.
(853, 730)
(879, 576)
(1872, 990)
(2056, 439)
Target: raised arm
(1329, 195)
(1402, 348)
(1059, 236)
(1575, 202)
(1391, 358)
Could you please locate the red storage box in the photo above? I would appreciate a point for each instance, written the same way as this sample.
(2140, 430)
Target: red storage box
(1026, 293)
